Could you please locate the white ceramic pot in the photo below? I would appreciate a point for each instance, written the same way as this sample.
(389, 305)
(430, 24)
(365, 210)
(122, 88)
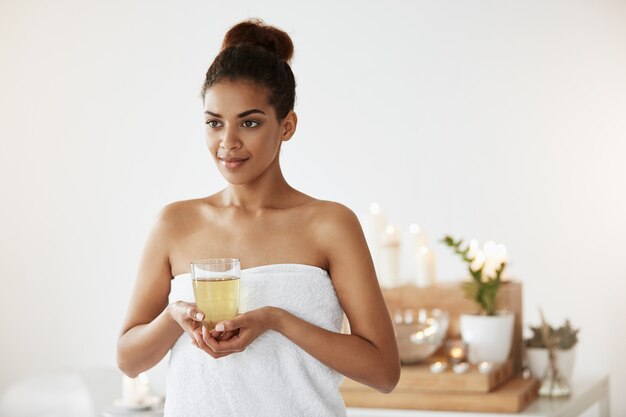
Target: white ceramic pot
(488, 337)
(538, 362)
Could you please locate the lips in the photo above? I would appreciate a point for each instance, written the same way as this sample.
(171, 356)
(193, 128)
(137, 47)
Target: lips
(232, 163)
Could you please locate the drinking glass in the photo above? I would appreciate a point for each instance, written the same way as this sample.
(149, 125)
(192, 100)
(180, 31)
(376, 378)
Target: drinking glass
(216, 289)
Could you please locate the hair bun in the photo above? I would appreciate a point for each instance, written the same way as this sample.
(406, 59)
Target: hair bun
(255, 32)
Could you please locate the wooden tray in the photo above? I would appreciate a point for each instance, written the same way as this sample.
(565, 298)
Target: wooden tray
(449, 296)
(418, 378)
(512, 397)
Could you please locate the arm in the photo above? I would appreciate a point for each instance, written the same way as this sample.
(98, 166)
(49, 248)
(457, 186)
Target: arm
(152, 326)
(369, 354)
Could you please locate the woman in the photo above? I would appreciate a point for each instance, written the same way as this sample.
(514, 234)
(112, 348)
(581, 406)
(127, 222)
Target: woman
(305, 263)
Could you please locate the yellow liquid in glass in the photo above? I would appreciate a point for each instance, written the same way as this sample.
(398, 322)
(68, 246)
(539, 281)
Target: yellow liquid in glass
(217, 298)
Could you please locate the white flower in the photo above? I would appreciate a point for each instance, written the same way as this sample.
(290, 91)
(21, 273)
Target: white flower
(490, 248)
(495, 257)
(478, 261)
(501, 253)
(489, 269)
(473, 247)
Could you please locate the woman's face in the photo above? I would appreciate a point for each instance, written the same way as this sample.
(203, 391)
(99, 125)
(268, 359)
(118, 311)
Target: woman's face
(242, 132)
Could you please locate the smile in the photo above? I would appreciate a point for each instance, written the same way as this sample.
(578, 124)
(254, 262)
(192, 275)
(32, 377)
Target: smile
(233, 164)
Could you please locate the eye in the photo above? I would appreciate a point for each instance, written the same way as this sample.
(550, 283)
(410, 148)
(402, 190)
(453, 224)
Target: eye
(250, 123)
(213, 123)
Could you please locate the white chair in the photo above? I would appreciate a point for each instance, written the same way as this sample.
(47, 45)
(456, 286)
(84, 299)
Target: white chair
(63, 394)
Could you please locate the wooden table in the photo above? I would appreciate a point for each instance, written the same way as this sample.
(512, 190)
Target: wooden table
(586, 392)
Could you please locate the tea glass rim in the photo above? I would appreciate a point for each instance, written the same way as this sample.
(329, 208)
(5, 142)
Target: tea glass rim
(215, 261)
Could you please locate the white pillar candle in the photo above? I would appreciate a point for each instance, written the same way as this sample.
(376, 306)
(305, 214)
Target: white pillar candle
(413, 239)
(135, 390)
(389, 273)
(374, 230)
(424, 266)
(418, 235)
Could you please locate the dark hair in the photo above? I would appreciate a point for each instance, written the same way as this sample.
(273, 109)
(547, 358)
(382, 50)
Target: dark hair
(259, 53)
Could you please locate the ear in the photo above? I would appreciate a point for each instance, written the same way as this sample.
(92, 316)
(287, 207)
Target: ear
(288, 126)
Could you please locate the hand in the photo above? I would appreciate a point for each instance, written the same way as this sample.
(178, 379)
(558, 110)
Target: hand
(189, 318)
(241, 331)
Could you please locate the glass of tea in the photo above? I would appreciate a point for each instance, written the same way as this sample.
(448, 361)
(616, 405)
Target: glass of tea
(216, 289)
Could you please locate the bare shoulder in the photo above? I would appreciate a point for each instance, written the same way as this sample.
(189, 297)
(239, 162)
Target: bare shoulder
(337, 231)
(179, 208)
(333, 216)
(177, 217)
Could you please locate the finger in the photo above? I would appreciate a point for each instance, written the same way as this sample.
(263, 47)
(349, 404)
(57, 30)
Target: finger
(210, 352)
(210, 341)
(216, 335)
(193, 313)
(206, 348)
(195, 337)
(200, 337)
(212, 344)
(226, 336)
(234, 344)
(230, 325)
(206, 335)
(223, 335)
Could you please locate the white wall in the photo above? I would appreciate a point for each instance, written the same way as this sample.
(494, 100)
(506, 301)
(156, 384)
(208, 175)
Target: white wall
(490, 119)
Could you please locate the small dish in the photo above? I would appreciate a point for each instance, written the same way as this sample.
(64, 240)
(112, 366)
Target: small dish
(419, 335)
(149, 402)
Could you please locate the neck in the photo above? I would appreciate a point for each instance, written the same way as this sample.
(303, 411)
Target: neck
(268, 191)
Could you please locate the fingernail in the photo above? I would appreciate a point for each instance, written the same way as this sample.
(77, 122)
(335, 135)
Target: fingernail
(199, 316)
(219, 327)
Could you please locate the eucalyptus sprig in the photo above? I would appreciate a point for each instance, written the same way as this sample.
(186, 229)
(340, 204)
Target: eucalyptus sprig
(483, 288)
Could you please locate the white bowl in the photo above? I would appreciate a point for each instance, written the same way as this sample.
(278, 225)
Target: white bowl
(419, 339)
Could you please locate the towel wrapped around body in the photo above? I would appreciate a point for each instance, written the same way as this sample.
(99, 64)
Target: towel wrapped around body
(272, 376)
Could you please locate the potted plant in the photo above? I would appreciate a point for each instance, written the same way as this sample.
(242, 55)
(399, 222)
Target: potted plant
(489, 332)
(537, 352)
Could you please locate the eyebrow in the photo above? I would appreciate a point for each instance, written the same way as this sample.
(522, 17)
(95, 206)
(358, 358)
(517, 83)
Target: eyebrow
(244, 114)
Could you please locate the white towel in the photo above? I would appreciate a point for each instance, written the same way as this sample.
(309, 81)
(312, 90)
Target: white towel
(273, 376)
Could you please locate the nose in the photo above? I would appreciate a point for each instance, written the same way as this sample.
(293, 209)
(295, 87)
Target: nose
(230, 140)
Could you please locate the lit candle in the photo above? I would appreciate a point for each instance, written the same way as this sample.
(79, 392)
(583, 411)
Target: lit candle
(457, 351)
(135, 390)
(413, 238)
(424, 266)
(418, 236)
(438, 367)
(397, 317)
(460, 368)
(408, 316)
(485, 367)
(375, 228)
(389, 274)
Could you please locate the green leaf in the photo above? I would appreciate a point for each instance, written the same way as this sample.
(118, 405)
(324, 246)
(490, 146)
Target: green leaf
(483, 293)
